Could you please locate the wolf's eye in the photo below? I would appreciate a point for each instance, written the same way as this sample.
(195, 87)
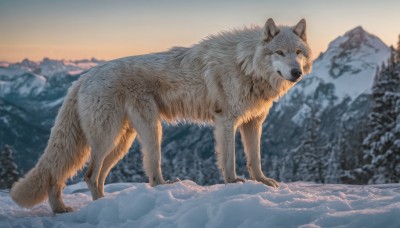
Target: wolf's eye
(298, 52)
(279, 52)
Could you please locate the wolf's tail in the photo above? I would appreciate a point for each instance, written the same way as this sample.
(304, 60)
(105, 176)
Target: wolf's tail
(65, 154)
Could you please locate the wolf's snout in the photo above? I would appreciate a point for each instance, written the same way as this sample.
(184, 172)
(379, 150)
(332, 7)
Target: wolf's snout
(296, 74)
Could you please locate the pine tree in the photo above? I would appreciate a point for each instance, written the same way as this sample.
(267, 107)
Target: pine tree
(8, 169)
(291, 165)
(382, 145)
(332, 170)
(309, 166)
(398, 50)
(393, 56)
(314, 155)
(307, 162)
(348, 149)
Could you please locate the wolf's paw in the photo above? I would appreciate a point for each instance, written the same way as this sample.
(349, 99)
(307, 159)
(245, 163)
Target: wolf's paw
(269, 181)
(172, 181)
(69, 209)
(162, 182)
(63, 210)
(237, 179)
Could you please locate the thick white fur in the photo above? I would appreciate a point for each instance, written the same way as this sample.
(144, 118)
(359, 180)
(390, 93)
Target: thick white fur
(228, 79)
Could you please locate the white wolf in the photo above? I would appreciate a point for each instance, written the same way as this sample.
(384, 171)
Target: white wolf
(230, 79)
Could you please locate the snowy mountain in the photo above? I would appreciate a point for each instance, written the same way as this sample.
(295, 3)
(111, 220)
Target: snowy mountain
(29, 78)
(24, 85)
(325, 109)
(331, 104)
(341, 75)
(47, 67)
(349, 59)
(30, 95)
(349, 65)
(186, 204)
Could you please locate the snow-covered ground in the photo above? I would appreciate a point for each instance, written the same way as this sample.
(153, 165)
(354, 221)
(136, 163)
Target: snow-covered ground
(185, 204)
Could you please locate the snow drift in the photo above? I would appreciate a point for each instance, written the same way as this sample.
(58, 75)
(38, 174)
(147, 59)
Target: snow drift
(186, 204)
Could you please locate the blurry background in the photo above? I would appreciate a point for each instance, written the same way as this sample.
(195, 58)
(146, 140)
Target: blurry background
(341, 124)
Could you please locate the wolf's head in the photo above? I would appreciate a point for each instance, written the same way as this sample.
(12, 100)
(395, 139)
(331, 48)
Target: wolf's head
(283, 51)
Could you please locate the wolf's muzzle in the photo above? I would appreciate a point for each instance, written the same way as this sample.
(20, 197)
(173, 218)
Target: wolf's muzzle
(296, 74)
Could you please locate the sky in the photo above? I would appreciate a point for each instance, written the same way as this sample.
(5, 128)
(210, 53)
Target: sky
(108, 29)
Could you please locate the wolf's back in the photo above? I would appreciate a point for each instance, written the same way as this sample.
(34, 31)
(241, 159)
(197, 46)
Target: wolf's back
(66, 152)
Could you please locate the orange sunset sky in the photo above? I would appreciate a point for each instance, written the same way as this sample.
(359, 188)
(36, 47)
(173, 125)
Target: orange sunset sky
(112, 29)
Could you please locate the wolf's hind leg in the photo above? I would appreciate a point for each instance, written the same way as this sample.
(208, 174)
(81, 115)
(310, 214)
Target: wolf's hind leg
(102, 137)
(55, 200)
(92, 174)
(251, 134)
(125, 142)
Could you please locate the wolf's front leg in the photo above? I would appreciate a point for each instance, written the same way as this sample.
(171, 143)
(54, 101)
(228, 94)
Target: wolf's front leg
(225, 149)
(150, 136)
(145, 121)
(251, 134)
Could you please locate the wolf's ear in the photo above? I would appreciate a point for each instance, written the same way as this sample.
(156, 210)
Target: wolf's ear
(300, 29)
(270, 30)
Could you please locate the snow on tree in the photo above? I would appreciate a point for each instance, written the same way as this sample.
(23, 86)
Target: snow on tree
(382, 145)
(8, 169)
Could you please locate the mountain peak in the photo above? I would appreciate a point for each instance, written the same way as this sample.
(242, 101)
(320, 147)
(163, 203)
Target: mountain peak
(359, 30)
(29, 64)
(352, 57)
(357, 39)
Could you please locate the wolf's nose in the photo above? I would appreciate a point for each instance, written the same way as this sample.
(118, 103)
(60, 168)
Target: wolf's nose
(296, 73)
